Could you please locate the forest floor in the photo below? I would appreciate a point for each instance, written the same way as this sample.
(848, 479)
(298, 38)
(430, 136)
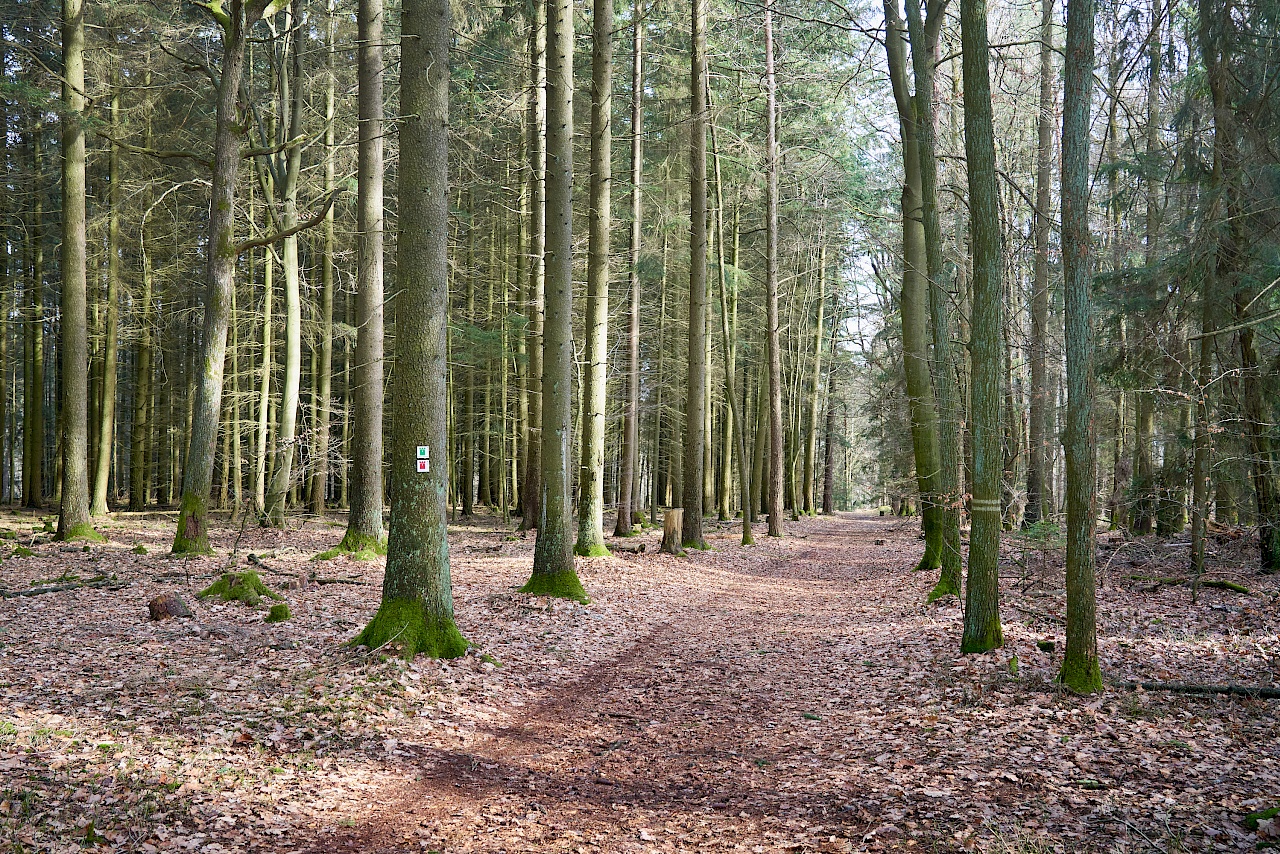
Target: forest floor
(794, 696)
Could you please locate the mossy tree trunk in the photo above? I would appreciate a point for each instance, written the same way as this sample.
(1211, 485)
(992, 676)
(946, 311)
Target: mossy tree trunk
(364, 522)
(1080, 671)
(591, 478)
(416, 613)
(535, 300)
(982, 630)
(553, 570)
(73, 513)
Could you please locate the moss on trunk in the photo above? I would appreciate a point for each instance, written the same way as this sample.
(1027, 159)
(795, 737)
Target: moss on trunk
(406, 626)
(193, 527)
(1081, 674)
(946, 586)
(587, 550)
(563, 585)
(361, 546)
(83, 532)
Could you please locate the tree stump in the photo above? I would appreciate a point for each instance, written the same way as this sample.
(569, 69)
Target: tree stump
(166, 606)
(672, 523)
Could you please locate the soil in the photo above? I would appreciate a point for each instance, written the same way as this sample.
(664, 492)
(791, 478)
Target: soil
(797, 695)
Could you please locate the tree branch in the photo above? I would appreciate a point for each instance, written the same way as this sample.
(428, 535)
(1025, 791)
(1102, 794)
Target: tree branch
(290, 232)
(159, 154)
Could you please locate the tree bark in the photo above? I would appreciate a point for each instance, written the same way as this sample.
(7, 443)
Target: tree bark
(73, 514)
(416, 612)
(1080, 670)
(535, 300)
(982, 630)
(324, 379)
(695, 394)
(111, 333)
(364, 521)
(776, 438)
(631, 418)
(553, 569)
(591, 478)
(192, 536)
(1039, 427)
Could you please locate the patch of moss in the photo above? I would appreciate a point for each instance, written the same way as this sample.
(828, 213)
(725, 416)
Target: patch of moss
(489, 659)
(359, 545)
(406, 627)
(699, 546)
(8, 535)
(945, 587)
(244, 587)
(562, 585)
(330, 554)
(279, 613)
(22, 551)
(1252, 819)
(591, 550)
(1081, 675)
(83, 532)
(139, 549)
(1046, 645)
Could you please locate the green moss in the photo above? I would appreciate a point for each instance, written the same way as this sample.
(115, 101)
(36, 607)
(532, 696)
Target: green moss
(597, 550)
(8, 535)
(1252, 819)
(562, 585)
(22, 551)
(945, 587)
(192, 537)
(407, 627)
(992, 639)
(330, 554)
(1082, 676)
(362, 546)
(1046, 645)
(279, 613)
(84, 532)
(244, 587)
(489, 659)
(139, 549)
(699, 546)
(747, 538)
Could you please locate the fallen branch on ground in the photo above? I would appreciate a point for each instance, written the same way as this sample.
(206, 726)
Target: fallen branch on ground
(1204, 582)
(1193, 688)
(107, 583)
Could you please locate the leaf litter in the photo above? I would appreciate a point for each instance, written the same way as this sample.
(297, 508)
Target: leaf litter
(794, 696)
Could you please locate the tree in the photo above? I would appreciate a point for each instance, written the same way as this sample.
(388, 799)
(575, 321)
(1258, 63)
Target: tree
(982, 591)
(775, 460)
(591, 481)
(73, 513)
(364, 522)
(627, 479)
(695, 389)
(416, 612)
(192, 536)
(553, 570)
(1080, 670)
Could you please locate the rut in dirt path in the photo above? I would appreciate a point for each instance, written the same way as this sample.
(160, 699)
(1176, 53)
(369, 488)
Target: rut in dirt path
(716, 725)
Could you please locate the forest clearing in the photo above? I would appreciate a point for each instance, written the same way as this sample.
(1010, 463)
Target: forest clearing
(792, 696)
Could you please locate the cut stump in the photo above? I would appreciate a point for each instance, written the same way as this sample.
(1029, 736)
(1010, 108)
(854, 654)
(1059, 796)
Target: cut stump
(672, 524)
(166, 606)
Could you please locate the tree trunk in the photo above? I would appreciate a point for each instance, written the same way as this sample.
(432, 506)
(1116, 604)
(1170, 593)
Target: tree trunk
(73, 514)
(416, 612)
(553, 570)
(291, 101)
(776, 437)
(949, 498)
(33, 438)
(631, 419)
(913, 304)
(982, 595)
(1039, 427)
(192, 536)
(535, 300)
(815, 389)
(591, 479)
(111, 337)
(324, 379)
(695, 394)
(364, 521)
(1080, 671)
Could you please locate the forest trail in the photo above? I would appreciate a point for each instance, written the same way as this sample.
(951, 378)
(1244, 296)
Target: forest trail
(807, 702)
(797, 695)
(721, 726)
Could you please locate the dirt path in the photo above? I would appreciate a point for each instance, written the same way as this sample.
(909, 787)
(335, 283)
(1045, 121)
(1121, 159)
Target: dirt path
(797, 695)
(802, 704)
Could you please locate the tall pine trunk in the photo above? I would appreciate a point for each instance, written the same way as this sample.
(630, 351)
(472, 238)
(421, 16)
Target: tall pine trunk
(111, 337)
(776, 438)
(695, 388)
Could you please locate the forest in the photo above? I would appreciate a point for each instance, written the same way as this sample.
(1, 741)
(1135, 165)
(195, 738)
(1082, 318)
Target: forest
(639, 425)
